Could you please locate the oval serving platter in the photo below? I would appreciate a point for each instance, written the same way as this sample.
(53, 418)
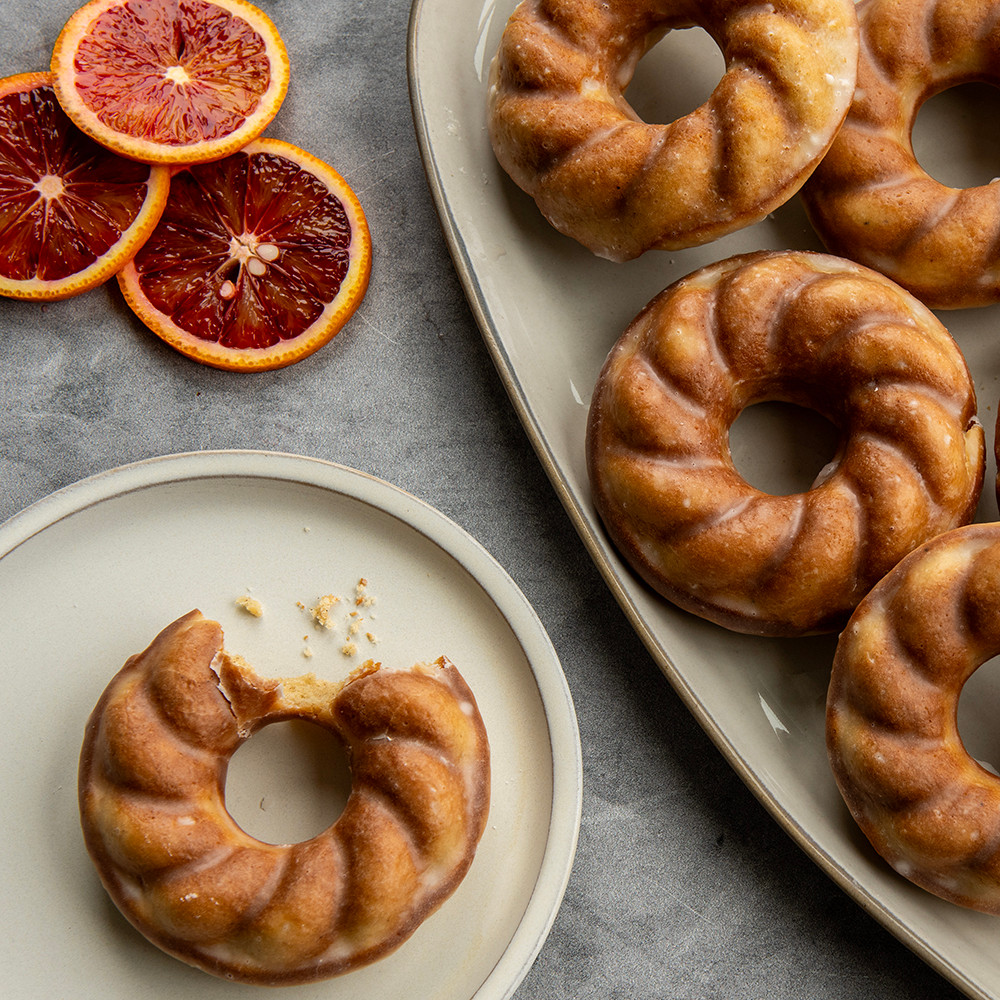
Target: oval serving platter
(549, 312)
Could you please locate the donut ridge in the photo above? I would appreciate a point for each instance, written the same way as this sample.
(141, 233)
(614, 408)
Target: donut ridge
(870, 199)
(184, 873)
(927, 807)
(563, 130)
(808, 329)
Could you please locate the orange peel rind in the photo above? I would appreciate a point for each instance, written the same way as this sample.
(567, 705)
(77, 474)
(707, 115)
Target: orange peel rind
(171, 83)
(258, 261)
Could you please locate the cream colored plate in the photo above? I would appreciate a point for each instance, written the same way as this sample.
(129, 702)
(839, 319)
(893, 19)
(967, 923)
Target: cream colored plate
(89, 575)
(549, 312)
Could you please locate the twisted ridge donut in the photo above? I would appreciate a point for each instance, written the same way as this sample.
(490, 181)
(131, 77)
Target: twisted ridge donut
(927, 807)
(870, 199)
(151, 789)
(808, 329)
(562, 129)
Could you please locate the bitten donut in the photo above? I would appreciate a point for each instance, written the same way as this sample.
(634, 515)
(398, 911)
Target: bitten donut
(809, 329)
(151, 788)
(562, 129)
(927, 807)
(869, 199)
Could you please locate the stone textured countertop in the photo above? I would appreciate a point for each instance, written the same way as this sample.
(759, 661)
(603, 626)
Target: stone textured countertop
(684, 887)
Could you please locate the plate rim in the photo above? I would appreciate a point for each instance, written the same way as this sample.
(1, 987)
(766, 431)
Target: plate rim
(565, 817)
(611, 573)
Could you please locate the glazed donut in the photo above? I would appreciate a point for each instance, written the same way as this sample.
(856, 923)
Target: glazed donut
(927, 807)
(151, 789)
(562, 129)
(809, 329)
(870, 200)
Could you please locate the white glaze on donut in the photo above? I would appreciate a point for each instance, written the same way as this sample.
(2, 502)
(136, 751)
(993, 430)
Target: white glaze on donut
(561, 126)
(809, 329)
(926, 806)
(151, 786)
(870, 199)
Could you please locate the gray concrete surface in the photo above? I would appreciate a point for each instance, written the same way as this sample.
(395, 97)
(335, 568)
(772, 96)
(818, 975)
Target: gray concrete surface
(684, 888)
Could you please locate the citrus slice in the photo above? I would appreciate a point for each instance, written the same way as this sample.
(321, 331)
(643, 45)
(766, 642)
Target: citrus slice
(171, 81)
(258, 260)
(71, 212)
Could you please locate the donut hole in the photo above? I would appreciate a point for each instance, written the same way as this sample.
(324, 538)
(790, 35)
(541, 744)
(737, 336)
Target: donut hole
(676, 76)
(953, 136)
(780, 448)
(288, 782)
(977, 715)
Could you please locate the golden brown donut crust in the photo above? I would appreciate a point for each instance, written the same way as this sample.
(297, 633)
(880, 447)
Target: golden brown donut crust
(152, 806)
(870, 199)
(809, 329)
(927, 807)
(563, 130)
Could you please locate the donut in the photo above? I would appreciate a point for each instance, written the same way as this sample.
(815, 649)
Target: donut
(562, 129)
(869, 199)
(809, 329)
(927, 807)
(152, 807)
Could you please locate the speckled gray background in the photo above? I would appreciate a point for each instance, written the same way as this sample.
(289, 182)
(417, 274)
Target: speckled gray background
(683, 887)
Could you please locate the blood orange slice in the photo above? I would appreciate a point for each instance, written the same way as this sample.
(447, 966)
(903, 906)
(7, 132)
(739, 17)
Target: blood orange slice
(71, 212)
(258, 261)
(171, 81)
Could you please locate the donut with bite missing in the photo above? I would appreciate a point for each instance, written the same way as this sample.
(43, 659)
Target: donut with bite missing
(180, 869)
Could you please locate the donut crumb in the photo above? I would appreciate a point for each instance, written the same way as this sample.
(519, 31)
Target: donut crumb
(321, 612)
(354, 623)
(362, 597)
(250, 605)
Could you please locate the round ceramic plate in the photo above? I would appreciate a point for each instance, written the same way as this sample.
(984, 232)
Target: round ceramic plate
(89, 575)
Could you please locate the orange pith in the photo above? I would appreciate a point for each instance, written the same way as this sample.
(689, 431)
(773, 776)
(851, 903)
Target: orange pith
(71, 212)
(171, 81)
(258, 260)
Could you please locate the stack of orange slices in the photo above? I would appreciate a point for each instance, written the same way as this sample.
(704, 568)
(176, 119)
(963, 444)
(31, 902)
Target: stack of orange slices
(140, 154)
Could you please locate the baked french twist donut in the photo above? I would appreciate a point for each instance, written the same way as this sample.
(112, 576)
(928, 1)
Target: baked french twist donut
(812, 330)
(151, 788)
(926, 805)
(870, 199)
(563, 130)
